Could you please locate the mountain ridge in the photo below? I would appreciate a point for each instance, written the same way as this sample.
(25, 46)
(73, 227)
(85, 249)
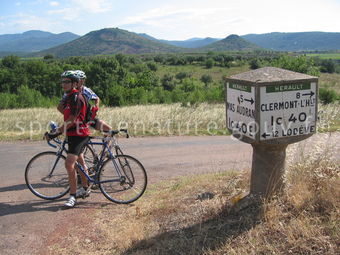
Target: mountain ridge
(33, 40)
(109, 41)
(115, 40)
(296, 41)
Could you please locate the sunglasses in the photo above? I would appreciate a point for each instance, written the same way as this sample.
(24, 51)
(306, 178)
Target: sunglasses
(66, 81)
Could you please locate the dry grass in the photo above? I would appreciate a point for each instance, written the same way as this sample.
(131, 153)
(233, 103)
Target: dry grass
(165, 120)
(192, 215)
(330, 81)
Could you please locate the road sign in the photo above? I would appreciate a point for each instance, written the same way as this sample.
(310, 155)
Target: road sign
(241, 109)
(287, 110)
(270, 108)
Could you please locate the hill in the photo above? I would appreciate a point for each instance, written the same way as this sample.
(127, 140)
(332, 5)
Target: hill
(303, 41)
(231, 43)
(190, 43)
(109, 41)
(33, 40)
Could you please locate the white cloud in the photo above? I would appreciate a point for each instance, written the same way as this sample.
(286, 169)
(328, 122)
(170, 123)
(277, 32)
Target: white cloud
(93, 6)
(28, 22)
(183, 23)
(54, 3)
(218, 18)
(68, 14)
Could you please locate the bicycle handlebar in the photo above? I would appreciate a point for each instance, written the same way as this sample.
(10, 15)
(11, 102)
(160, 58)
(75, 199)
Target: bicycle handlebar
(56, 140)
(115, 132)
(111, 133)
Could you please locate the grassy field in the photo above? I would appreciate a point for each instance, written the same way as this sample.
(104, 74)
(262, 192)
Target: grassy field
(330, 81)
(147, 120)
(176, 218)
(196, 71)
(326, 55)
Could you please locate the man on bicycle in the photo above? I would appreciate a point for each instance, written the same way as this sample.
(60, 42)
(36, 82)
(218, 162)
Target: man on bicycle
(75, 127)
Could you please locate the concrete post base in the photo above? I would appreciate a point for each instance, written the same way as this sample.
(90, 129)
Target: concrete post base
(268, 168)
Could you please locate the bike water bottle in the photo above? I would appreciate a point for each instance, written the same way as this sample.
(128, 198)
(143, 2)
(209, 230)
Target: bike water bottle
(53, 126)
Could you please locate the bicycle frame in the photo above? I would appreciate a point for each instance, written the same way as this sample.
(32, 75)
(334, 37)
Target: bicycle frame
(98, 165)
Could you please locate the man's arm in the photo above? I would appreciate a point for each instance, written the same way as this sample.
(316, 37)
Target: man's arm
(67, 124)
(61, 104)
(96, 102)
(60, 107)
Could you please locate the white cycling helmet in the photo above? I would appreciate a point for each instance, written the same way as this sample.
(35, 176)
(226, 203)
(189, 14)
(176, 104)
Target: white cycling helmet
(71, 75)
(81, 74)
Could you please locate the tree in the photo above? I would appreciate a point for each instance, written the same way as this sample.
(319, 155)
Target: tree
(10, 61)
(209, 63)
(206, 79)
(48, 56)
(327, 66)
(255, 63)
(168, 82)
(181, 75)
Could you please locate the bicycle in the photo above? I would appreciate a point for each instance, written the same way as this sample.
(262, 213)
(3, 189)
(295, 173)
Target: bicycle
(121, 178)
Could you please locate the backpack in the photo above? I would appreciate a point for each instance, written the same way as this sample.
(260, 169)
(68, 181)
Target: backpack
(88, 115)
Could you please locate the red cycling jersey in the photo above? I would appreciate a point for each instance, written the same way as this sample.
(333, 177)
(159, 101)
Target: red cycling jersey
(76, 105)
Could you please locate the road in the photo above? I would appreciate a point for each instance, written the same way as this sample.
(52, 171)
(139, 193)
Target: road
(27, 222)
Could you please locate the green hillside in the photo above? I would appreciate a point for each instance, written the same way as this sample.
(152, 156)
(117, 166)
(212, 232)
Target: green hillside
(109, 41)
(231, 43)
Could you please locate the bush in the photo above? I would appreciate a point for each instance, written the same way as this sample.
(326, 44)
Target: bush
(206, 79)
(209, 63)
(254, 64)
(300, 64)
(327, 66)
(8, 101)
(327, 96)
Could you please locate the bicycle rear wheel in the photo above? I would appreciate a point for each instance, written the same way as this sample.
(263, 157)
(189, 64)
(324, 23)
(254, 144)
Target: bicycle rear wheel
(124, 187)
(46, 176)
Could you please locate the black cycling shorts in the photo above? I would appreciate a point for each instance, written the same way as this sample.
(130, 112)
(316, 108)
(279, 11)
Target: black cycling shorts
(76, 144)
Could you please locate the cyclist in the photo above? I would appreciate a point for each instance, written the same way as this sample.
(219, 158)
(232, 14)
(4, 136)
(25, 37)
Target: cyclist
(89, 95)
(96, 123)
(76, 129)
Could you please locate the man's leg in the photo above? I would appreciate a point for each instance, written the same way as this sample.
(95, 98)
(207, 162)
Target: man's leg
(72, 176)
(102, 126)
(81, 161)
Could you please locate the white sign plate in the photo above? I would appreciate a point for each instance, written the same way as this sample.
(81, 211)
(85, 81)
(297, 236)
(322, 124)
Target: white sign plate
(287, 110)
(241, 109)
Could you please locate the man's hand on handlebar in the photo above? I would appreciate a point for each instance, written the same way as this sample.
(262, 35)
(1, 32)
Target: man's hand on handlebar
(51, 135)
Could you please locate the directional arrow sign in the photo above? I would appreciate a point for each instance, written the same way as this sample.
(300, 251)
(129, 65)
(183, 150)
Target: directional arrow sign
(251, 100)
(309, 94)
(241, 109)
(264, 135)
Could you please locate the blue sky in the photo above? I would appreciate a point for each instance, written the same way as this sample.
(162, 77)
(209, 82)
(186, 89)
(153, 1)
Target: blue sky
(171, 19)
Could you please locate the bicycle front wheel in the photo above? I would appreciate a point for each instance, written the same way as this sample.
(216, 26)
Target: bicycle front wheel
(90, 156)
(46, 176)
(122, 179)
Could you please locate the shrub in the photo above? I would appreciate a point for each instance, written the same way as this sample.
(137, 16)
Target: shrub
(8, 101)
(209, 63)
(327, 96)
